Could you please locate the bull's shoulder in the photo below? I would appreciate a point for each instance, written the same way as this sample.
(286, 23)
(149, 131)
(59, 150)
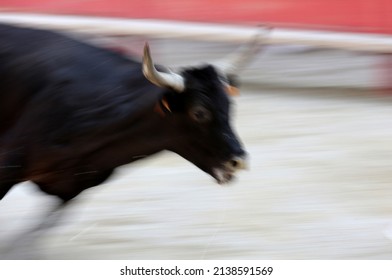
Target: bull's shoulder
(37, 65)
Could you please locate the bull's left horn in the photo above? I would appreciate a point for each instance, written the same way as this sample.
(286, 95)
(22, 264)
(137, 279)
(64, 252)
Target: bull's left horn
(161, 79)
(235, 62)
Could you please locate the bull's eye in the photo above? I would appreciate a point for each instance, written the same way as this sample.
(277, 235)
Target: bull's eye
(200, 114)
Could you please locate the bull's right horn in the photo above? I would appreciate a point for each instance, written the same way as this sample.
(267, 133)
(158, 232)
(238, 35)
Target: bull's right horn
(170, 80)
(235, 62)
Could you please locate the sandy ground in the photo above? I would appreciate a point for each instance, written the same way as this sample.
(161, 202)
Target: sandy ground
(319, 187)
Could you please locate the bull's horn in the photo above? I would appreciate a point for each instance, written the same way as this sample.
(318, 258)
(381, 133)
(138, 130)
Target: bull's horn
(232, 64)
(161, 79)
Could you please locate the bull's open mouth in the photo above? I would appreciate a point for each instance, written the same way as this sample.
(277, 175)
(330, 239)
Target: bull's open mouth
(223, 175)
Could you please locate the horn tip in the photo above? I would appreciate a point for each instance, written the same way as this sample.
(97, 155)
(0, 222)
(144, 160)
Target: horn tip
(146, 48)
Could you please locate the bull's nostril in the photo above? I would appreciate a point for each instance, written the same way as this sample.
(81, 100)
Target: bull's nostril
(234, 163)
(237, 163)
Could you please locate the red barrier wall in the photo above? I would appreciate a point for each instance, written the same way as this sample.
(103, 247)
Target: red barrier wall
(373, 16)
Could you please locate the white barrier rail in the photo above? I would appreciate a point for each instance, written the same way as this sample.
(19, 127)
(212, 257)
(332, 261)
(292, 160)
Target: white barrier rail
(201, 31)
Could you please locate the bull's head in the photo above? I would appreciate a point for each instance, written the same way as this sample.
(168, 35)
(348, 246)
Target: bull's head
(198, 101)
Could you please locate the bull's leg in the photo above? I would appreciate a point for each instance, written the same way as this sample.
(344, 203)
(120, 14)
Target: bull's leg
(66, 190)
(26, 245)
(52, 218)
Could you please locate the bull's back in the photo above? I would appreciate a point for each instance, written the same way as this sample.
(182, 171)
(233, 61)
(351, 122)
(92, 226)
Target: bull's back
(33, 61)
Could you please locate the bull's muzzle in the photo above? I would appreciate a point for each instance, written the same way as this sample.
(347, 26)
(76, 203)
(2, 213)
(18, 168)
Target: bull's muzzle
(225, 173)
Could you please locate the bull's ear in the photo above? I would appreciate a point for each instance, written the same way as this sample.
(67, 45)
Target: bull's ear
(232, 86)
(232, 90)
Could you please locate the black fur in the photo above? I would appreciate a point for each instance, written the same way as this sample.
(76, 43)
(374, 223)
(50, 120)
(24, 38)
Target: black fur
(70, 113)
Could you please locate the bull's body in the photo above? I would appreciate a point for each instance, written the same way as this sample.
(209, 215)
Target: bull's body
(70, 113)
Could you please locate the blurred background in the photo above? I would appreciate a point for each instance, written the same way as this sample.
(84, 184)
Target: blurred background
(315, 114)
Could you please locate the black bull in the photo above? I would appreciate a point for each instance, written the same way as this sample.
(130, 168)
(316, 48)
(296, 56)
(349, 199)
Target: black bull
(70, 113)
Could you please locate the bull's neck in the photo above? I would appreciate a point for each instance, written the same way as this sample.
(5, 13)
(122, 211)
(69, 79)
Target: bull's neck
(148, 134)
